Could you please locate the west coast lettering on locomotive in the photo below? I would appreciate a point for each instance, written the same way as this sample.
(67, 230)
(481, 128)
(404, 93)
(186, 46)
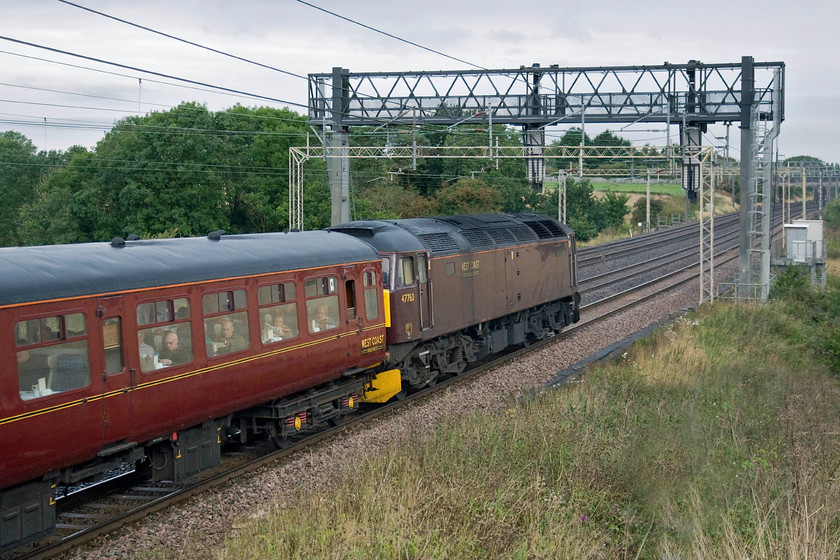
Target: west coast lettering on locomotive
(469, 268)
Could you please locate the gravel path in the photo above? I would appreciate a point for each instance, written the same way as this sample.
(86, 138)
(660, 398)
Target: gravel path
(205, 520)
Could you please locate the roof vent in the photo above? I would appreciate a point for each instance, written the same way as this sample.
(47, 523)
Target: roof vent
(133, 237)
(216, 235)
(118, 242)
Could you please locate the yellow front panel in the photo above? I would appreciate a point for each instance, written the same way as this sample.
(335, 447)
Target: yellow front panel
(383, 387)
(386, 297)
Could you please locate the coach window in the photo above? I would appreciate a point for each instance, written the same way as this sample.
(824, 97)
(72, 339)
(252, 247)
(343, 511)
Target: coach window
(406, 271)
(322, 304)
(52, 355)
(350, 298)
(371, 293)
(226, 322)
(279, 322)
(167, 337)
(112, 341)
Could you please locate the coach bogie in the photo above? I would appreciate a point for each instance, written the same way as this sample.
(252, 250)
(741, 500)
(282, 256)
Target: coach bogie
(186, 453)
(27, 513)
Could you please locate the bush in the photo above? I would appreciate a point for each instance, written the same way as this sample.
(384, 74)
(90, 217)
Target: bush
(831, 214)
(640, 210)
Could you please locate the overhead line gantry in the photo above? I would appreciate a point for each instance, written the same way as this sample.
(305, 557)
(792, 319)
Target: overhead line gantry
(690, 95)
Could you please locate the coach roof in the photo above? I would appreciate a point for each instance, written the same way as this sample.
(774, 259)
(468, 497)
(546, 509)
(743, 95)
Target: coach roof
(61, 271)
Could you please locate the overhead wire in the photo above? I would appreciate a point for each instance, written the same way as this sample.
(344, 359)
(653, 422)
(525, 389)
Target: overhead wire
(118, 74)
(173, 37)
(236, 92)
(152, 72)
(219, 51)
(103, 97)
(193, 43)
(392, 36)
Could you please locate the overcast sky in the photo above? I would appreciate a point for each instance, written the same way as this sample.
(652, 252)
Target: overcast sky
(300, 39)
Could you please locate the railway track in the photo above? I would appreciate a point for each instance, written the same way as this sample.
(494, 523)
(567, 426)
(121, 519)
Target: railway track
(102, 509)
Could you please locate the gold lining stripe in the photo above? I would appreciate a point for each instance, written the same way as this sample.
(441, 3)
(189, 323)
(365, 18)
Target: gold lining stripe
(185, 375)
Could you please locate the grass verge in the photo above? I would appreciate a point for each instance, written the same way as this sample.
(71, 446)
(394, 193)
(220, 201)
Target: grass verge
(714, 438)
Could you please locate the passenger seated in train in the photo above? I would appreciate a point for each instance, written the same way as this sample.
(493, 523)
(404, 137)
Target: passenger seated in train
(322, 320)
(31, 368)
(174, 352)
(277, 329)
(145, 351)
(230, 341)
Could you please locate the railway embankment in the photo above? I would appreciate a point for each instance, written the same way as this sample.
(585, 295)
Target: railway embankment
(714, 437)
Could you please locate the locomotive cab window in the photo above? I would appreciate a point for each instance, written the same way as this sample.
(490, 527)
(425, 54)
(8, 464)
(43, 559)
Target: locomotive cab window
(167, 337)
(226, 322)
(52, 355)
(386, 272)
(322, 312)
(422, 268)
(406, 271)
(278, 311)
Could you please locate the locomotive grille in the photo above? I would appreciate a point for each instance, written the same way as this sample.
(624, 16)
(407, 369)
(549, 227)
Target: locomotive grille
(438, 242)
(478, 238)
(541, 231)
(552, 227)
(523, 233)
(502, 236)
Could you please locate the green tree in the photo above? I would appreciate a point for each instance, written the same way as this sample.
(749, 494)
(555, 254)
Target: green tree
(21, 169)
(469, 196)
(608, 138)
(186, 170)
(611, 210)
(63, 208)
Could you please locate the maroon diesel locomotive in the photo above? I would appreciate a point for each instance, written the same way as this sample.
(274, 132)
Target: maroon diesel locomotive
(156, 352)
(461, 287)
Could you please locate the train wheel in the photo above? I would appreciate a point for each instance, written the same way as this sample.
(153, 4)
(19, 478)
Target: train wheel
(280, 442)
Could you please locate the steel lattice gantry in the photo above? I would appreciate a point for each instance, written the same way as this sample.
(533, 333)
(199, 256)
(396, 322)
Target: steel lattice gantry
(537, 96)
(690, 95)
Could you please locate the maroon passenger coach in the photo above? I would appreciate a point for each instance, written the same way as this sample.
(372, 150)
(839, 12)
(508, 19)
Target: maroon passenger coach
(157, 351)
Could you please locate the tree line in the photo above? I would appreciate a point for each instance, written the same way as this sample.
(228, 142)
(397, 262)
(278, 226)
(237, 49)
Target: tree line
(188, 171)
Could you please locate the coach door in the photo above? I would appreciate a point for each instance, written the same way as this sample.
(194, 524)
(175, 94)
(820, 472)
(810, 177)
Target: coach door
(117, 379)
